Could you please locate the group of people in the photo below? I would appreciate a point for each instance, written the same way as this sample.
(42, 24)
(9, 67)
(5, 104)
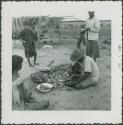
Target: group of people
(84, 69)
(89, 36)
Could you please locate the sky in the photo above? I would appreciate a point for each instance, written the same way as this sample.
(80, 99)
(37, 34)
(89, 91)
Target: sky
(103, 10)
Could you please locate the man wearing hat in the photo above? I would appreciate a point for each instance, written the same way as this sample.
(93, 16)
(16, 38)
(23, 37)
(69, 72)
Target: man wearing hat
(92, 32)
(89, 70)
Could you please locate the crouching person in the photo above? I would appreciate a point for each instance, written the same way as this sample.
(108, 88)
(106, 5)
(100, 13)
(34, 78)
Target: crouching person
(89, 70)
(21, 99)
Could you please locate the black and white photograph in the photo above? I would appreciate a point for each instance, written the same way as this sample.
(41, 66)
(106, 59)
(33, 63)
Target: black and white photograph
(62, 58)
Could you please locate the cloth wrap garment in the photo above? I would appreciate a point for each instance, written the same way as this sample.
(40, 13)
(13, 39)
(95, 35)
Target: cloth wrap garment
(28, 37)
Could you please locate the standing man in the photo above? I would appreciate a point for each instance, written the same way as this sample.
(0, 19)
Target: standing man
(28, 37)
(92, 29)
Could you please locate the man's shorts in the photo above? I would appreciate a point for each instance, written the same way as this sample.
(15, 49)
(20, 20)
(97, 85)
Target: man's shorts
(30, 51)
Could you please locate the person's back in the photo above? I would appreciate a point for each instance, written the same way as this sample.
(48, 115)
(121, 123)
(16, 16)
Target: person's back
(27, 35)
(91, 66)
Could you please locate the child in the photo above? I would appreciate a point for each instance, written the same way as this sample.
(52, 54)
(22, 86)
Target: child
(28, 36)
(21, 100)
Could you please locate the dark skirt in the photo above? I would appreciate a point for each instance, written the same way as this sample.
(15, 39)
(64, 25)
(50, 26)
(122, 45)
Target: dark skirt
(92, 49)
(30, 50)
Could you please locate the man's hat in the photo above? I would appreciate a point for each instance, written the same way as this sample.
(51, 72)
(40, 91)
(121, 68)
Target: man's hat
(77, 54)
(91, 11)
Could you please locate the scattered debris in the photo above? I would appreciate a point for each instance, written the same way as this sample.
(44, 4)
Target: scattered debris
(44, 87)
(39, 77)
(47, 47)
(106, 42)
(58, 75)
(103, 46)
(50, 63)
(45, 69)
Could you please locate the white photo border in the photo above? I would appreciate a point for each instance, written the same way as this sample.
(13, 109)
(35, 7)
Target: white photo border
(9, 10)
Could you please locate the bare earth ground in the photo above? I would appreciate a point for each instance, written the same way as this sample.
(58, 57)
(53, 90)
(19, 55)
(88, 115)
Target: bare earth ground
(93, 98)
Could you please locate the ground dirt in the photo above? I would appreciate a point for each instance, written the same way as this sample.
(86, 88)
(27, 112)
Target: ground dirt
(94, 98)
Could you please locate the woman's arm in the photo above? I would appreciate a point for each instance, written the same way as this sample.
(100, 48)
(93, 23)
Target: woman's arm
(86, 75)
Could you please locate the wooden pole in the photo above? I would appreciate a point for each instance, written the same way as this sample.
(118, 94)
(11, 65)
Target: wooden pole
(15, 31)
(59, 35)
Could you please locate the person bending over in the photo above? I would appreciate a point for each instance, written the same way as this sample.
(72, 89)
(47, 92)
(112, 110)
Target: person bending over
(89, 74)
